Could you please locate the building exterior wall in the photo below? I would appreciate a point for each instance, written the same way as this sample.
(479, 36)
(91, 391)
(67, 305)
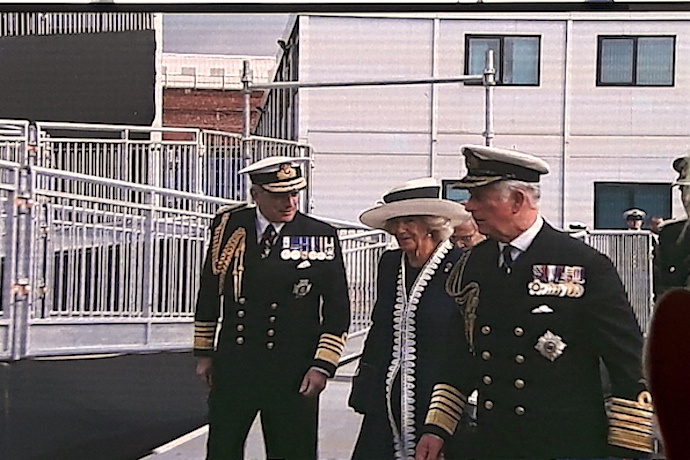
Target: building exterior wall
(366, 139)
(220, 110)
(204, 91)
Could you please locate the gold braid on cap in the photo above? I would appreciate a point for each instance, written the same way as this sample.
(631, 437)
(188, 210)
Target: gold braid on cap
(233, 251)
(467, 298)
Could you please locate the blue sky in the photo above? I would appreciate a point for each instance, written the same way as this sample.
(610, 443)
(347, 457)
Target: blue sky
(223, 33)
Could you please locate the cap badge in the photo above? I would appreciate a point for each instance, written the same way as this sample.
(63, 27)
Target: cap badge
(286, 172)
(550, 346)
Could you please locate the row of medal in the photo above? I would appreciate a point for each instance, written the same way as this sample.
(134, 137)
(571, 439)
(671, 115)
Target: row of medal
(308, 247)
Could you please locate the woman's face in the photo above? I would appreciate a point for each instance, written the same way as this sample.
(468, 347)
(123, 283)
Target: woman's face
(409, 231)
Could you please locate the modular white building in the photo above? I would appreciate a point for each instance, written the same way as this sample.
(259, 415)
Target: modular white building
(602, 96)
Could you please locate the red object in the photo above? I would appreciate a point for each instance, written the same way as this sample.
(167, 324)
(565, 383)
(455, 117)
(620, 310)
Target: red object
(668, 371)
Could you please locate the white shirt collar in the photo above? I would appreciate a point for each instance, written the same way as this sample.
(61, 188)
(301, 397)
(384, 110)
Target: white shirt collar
(262, 222)
(524, 240)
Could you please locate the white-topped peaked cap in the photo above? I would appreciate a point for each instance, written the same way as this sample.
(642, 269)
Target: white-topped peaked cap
(277, 174)
(491, 164)
(682, 167)
(416, 197)
(634, 214)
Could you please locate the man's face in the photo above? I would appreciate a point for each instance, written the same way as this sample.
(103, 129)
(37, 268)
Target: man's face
(466, 235)
(277, 207)
(654, 224)
(491, 208)
(634, 223)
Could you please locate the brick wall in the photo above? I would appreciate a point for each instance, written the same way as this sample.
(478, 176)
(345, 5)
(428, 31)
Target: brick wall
(207, 108)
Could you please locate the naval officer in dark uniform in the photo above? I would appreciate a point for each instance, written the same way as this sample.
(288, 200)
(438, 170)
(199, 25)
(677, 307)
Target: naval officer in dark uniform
(672, 254)
(541, 310)
(276, 278)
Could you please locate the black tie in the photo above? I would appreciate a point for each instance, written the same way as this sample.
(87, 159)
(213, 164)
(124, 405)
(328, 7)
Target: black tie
(267, 241)
(507, 258)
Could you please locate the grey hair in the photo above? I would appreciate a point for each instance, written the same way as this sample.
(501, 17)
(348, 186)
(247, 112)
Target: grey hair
(532, 190)
(438, 226)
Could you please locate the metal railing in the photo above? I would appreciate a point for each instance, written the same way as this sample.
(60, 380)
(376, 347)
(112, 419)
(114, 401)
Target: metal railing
(58, 23)
(104, 232)
(362, 250)
(631, 254)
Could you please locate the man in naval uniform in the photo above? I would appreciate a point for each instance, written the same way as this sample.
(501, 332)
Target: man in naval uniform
(541, 310)
(276, 278)
(634, 218)
(672, 255)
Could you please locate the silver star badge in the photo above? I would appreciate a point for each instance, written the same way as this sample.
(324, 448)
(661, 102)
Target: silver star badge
(550, 346)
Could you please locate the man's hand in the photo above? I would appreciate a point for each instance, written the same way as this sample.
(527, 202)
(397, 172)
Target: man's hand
(313, 383)
(429, 447)
(204, 370)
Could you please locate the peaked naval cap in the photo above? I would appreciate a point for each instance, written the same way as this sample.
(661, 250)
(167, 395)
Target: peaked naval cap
(277, 174)
(486, 165)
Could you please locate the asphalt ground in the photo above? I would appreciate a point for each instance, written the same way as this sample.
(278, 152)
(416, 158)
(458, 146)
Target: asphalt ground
(338, 429)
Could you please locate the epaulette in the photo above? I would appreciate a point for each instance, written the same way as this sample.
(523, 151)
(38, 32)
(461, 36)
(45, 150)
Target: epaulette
(232, 207)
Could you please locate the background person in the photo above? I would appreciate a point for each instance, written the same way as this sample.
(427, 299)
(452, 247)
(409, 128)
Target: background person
(466, 233)
(276, 277)
(542, 310)
(655, 224)
(672, 255)
(401, 382)
(634, 218)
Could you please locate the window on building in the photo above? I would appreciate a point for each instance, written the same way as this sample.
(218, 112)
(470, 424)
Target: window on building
(454, 194)
(612, 199)
(516, 58)
(636, 61)
(190, 71)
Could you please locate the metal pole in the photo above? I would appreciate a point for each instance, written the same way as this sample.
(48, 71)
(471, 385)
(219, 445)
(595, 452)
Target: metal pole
(246, 94)
(330, 84)
(246, 125)
(489, 81)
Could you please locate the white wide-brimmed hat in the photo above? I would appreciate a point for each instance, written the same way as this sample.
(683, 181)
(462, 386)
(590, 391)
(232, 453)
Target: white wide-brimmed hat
(417, 197)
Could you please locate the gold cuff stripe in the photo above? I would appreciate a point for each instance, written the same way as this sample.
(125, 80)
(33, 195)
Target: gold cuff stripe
(331, 344)
(327, 355)
(628, 440)
(448, 407)
(441, 420)
(631, 426)
(331, 348)
(620, 402)
(447, 396)
(449, 391)
(642, 421)
(334, 338)
(630, 411)
(203, 343)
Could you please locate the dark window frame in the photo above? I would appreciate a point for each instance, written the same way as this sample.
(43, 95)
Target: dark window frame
(499, 74)
(634, 38)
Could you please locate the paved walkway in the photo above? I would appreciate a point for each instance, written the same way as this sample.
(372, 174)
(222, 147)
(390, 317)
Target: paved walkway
(338, 430)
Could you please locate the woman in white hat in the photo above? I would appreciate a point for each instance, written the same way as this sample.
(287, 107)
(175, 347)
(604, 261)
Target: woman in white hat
(402, 386)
